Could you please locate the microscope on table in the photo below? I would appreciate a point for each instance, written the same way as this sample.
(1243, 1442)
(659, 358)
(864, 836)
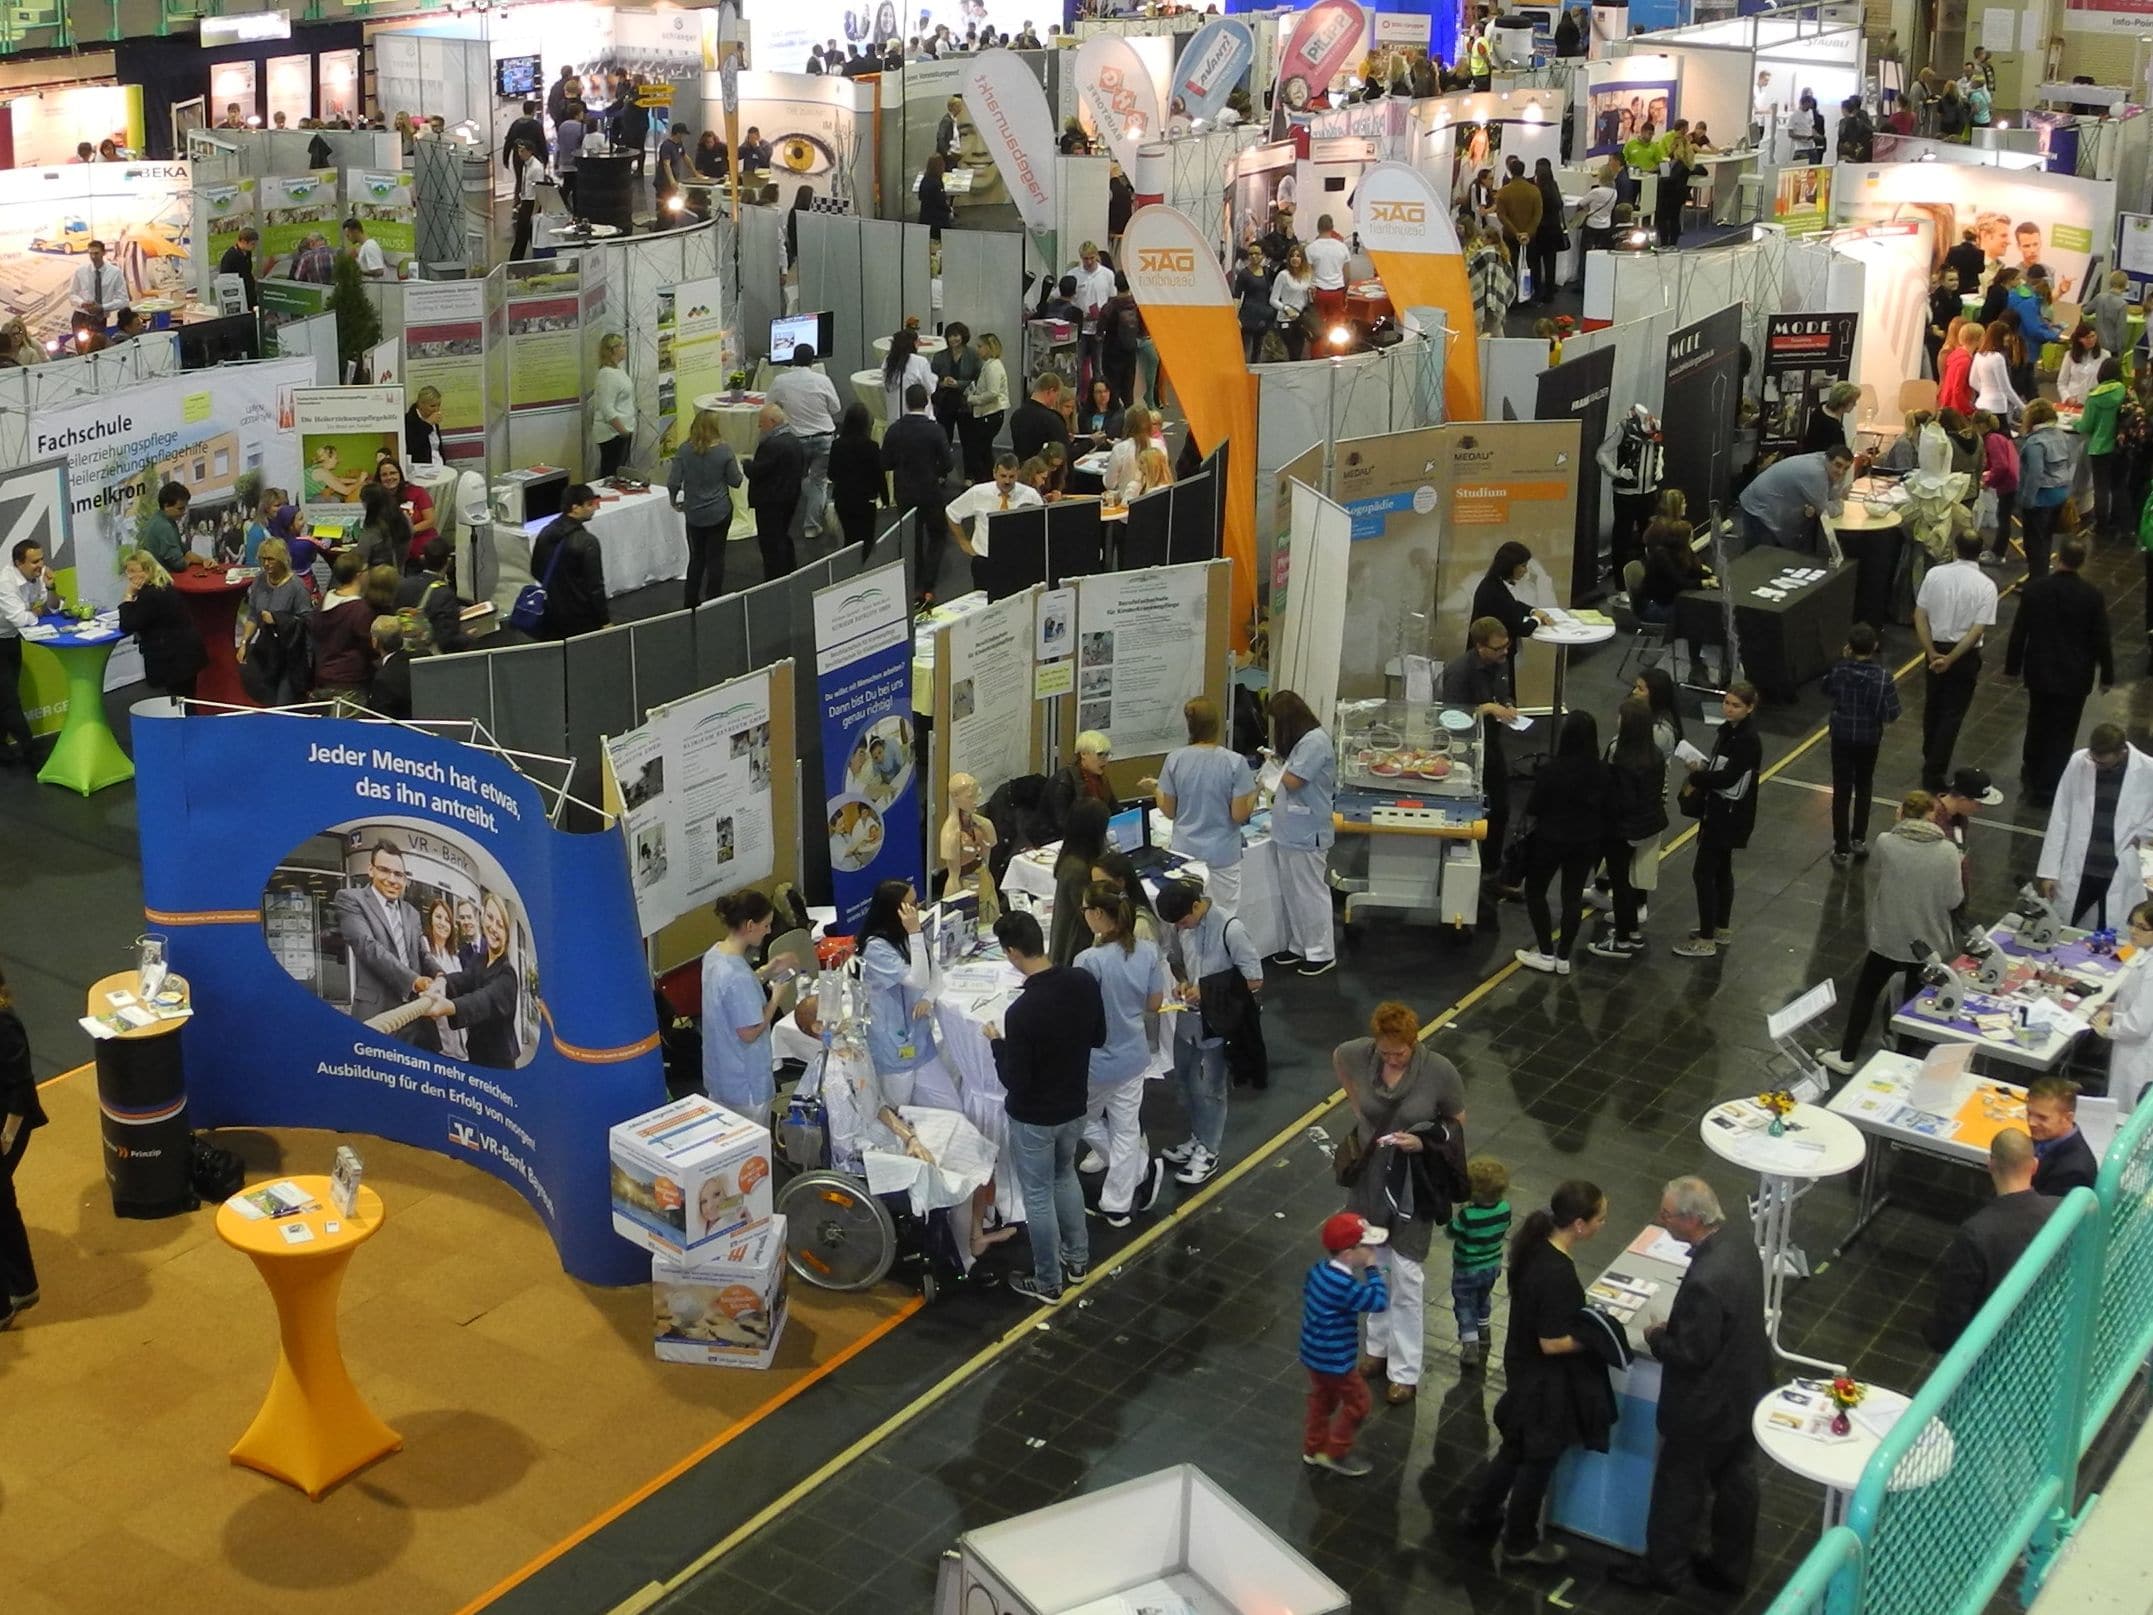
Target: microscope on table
(1950, 995)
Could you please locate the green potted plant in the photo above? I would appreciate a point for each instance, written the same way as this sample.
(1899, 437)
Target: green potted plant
(358, 323)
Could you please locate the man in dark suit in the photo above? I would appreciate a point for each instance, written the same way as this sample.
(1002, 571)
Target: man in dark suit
(1717, 1365)
(2067, 1160)
(576, 591)
(917, 455)
(1039, 421)
(238, 260)
(776, 476)
(1990, 1242)
(526, 130)
(382, 932)
(2059, 640)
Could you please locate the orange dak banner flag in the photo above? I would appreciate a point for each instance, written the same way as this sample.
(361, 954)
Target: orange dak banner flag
(1189, 313)
(1407, 231)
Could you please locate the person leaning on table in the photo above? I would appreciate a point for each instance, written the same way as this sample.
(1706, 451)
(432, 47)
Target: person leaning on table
(1919, 882)
(1781, 504)
(1990, 1242)
(1716, 1366)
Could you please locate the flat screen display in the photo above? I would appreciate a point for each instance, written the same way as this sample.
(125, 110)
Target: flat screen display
(1125, 830)
(817, 330)
(516, 76)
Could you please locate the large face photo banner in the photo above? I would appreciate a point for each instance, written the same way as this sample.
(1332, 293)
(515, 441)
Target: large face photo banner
(2056, 220)
(392, 938)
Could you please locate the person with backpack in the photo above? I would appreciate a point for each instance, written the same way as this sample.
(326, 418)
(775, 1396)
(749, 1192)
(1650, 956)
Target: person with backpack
(570, 570)
(429, 593)
(1857, 135)
(1121, 335)
(1408, 1130)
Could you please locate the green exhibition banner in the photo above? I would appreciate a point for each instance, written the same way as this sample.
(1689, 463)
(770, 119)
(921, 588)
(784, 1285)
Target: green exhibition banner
(384, 203)
(294, 206)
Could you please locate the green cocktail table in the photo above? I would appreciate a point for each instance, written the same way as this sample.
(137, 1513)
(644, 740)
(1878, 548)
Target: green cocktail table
(87, 757)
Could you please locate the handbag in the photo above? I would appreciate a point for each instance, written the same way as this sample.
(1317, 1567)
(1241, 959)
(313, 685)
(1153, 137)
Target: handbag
(1692, 801)
(530, 607)
(1349, 1158)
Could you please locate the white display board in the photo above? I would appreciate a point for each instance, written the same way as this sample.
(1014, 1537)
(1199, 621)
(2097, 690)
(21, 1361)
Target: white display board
(991, 705)
(1308, 601)
(2054, 219)
(1140, 654)
(695, 799)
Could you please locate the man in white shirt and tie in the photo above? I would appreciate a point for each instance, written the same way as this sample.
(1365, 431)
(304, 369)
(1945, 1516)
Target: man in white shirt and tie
(809, 400)
(1005, 492)
(1956, 605)
(97, 284)
(26, 593)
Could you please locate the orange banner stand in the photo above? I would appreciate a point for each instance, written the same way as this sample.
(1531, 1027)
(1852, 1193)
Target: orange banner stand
(314, 1429)
(1406, 228)
(1189, 313)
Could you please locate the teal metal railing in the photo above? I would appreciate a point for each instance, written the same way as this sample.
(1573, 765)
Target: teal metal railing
(1980, 1475)
(1828, 1582)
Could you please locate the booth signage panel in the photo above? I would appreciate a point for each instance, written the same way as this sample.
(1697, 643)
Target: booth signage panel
(1216, 60)
(1697, 408)
(863, 674)
(307, 945)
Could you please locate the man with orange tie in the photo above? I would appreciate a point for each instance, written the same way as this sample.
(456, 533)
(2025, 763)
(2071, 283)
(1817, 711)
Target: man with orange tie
(976, 504)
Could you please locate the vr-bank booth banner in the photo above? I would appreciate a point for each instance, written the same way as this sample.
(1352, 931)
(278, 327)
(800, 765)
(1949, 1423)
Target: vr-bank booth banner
(377, 876)
(1697, 411)
(863, 682)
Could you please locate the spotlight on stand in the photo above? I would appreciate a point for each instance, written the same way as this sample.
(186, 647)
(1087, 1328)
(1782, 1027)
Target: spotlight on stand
(676, 203)
(1339, 339)
(1634, 240)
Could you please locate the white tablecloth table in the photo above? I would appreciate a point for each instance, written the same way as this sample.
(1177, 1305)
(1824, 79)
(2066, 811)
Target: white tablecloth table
(737, 420)
(1817, 1144)
(641, 536)
(973, 995)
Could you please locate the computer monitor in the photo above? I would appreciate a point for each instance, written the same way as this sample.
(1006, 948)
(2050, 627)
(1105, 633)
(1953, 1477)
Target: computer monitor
(817, 330)
(1125, 830)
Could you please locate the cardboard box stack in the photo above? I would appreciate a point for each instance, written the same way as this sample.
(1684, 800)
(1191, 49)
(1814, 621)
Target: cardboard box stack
(691, 1183)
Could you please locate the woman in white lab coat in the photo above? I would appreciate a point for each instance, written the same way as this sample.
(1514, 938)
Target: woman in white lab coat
(2070, 826)
(1302, 833)
(2126, 1020)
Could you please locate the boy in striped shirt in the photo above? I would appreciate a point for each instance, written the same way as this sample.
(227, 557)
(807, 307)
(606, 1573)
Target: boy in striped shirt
(1477, 1232)
(1337, 1291)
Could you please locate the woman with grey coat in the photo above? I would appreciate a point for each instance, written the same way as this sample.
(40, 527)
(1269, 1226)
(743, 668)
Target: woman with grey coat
(701, 479)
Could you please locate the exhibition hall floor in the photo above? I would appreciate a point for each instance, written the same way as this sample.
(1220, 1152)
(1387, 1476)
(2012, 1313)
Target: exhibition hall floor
(531, 1406)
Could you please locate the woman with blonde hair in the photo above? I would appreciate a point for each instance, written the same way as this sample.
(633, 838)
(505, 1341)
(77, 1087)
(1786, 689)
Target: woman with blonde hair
(483, 1001)
(1208, 793)
(1152, 471)
(612, 405)
(17, 345)
(968, 837)
(1290, 289)
(988, 397)
(1138, 425)
(700, 480)
(1990, 375)
(272, 663)
(152, 611)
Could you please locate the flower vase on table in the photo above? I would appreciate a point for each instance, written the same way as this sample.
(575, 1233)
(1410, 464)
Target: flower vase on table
(1779, 1104)
(1846, 1394)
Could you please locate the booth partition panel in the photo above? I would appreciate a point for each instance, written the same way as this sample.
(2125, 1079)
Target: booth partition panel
(1075, 539)
(749, 262)
(1193, 532)
(600, 669)
(453, 687)
(1143, 535)
(983, 285)
(529, 700)
(721, 640)
(664, 662)
(1017, 555)
(830, 270)
(882, 284)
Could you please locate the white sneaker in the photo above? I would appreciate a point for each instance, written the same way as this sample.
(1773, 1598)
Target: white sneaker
(1093, 1162)
(1836, 1062)
(1180, 1153)
(1644, 912)
(1546, 963)
(1201, 1165)
(1603, 901)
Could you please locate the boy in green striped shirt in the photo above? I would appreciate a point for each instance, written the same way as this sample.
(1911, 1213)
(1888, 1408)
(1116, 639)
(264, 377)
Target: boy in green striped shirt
(1477, 1232)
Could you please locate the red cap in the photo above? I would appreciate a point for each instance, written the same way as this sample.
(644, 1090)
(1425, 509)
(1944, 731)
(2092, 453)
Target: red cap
(1348, 1229)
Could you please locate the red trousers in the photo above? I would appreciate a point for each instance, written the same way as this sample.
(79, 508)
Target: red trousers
(1330, 307)
(1336, 1405)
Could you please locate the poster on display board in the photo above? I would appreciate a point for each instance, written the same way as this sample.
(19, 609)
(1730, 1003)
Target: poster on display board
(1212, 65)
(1802, 200)
(545, 333)
(226, 434)
(1697, 409)
(2106, 16)
(221, 212)
(1579, 390)
(1803, 355)
(696, 807)
(283, 301)
(402, 945)
(2134, 247)
(697, 358)
(863, 692)
(1140, 654)
(990, 692)
(383, 203)
(445, 347)
(669, 44)
(1387, 488)
(1616, 112)
(342, 432)
(48, 217)
(295, 206)
(35, 509)
(2017, 218)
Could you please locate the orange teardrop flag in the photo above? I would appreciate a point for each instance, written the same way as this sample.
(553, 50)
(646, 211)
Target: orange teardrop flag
(1174, 273)
(1406, 230)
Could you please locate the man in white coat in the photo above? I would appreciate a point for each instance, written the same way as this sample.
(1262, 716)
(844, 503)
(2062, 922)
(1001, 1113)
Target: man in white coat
(2102, 814)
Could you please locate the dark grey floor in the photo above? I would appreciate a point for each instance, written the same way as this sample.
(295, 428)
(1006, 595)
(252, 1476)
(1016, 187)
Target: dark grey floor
(1188, 1353)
